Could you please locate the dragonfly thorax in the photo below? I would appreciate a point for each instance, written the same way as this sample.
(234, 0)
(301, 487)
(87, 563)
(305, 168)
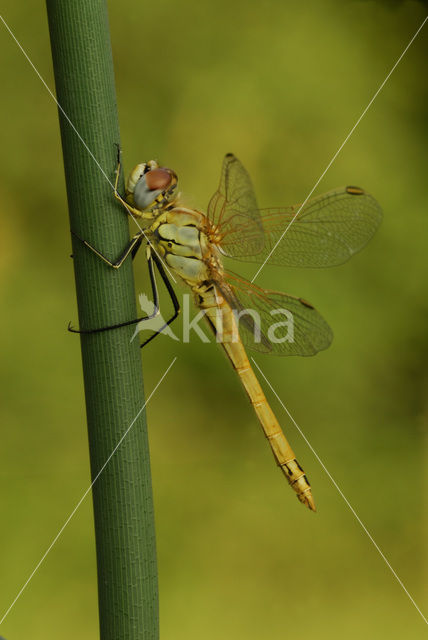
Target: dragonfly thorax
(181, 240)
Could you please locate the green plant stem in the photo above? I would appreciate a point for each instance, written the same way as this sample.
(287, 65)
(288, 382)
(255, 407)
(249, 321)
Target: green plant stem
(122, 495)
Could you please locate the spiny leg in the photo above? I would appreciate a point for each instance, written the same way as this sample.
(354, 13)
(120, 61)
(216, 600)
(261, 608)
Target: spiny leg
(132, 210)
(172, 295)
(137, 245)
(134, 246)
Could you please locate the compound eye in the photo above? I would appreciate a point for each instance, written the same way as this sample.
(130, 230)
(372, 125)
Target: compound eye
(150, 184)
(158, 179)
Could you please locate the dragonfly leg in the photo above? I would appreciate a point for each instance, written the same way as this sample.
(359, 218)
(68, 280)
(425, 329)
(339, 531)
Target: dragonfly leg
(150, 259)
(172, 295)
(131, 210)
(132, 247)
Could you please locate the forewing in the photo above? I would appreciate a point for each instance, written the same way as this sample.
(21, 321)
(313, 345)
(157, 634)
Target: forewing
(274, 322)
(233, 208)
(326, 231)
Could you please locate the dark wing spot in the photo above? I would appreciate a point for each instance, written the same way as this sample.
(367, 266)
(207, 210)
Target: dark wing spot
(355, 191)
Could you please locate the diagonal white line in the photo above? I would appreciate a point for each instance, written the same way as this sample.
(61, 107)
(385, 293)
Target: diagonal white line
(56, 101)
(339, 149)
(78, 135)
(354, 513)
(84, 496)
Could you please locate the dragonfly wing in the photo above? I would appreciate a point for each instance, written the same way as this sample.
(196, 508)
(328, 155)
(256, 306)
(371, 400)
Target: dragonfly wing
(325, 232)
(233, 208)
(274, 322)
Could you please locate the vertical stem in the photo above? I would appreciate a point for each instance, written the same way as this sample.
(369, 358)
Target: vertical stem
(122, 495)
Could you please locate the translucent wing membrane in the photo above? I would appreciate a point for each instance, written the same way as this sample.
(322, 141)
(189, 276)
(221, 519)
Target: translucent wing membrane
(233, 208)
(326, 231)
(274, 322)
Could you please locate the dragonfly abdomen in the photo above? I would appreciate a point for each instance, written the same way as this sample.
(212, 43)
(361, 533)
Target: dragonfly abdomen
(222, 321)
(281, 449)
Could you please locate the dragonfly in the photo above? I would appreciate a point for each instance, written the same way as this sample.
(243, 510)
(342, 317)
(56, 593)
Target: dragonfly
(325, 231)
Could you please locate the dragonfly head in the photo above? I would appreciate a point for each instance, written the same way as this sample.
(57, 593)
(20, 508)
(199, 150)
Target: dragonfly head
(150, 186)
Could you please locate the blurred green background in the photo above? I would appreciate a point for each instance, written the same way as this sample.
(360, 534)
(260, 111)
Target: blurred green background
(280, 84)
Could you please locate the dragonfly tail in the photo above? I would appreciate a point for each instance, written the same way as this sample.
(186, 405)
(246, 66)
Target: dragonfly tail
(281, 449)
